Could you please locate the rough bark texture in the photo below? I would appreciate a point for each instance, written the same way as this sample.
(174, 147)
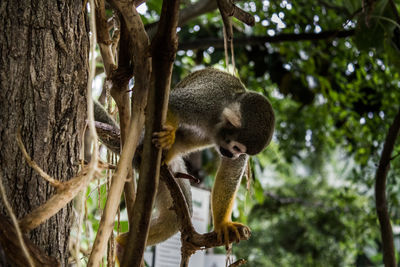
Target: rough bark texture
(43, 76)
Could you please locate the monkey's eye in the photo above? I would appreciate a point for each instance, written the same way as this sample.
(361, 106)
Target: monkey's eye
(237, 149)
(227, 140)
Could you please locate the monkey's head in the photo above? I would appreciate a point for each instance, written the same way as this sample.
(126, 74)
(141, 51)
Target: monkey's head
(246, 126)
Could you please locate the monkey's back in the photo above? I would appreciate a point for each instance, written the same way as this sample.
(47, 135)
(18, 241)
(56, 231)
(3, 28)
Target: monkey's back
(204, 93)
(212, 77)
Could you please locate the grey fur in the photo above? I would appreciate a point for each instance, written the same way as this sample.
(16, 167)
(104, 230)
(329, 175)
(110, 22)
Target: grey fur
(198, 102)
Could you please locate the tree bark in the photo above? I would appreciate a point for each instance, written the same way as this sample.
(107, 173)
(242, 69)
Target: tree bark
(43, 76)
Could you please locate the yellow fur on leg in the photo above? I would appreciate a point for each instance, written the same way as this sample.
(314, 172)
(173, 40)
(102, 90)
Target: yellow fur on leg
(223, 196)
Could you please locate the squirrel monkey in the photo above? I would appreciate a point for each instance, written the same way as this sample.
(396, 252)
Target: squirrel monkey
(212, 108)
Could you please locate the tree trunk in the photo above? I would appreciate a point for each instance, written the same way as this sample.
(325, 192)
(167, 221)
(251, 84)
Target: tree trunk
(43, 77)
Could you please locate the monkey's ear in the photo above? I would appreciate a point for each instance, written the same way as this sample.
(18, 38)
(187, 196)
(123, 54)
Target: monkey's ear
(232, 116)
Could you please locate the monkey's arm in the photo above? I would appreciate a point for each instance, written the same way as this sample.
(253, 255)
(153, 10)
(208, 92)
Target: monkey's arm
(165, 138)
(179, 138)
(225, 187)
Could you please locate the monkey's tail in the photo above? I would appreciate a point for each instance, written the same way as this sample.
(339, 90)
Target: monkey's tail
(164, 222)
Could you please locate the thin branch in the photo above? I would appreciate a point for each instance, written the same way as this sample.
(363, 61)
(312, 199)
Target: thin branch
(389, 256)
(15, 224)
(85, 150)
(119, 89)
(228, 8)
(55, 203)
(79, 206)
(117, 184)
(188, 13)
(104, 41)
(92, 167)
(139, 47)
(395, 156)
(90, 112)
(55, 183)
(128, 55)
(65, 193)
(261, 40)
(120, 93)
(224, 7)
(163, 48)
(137, 3)
(191, 240)
(182, 212)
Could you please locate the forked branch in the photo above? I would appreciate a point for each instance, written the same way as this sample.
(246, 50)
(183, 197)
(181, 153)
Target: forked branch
(191, 240)
(228, 9)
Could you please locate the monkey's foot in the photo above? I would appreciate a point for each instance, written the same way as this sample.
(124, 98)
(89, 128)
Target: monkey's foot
(225, 228)
(165, 138)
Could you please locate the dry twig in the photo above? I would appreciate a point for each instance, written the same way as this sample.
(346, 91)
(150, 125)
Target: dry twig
(55, 183)
(119, 78)
(66, 191)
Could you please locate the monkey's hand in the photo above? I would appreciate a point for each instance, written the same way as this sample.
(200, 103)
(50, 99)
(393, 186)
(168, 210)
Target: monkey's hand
(224, 228)
(165, 138)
